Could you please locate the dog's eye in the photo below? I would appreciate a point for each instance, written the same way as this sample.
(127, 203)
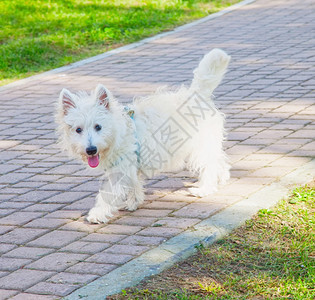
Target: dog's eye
(78, 130)
(98, 127)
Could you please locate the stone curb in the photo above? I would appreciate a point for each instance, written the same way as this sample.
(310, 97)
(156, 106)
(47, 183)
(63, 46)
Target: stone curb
(123, 48)
(186, 243)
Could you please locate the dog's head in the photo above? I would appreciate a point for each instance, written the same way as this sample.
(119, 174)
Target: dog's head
(85, 123)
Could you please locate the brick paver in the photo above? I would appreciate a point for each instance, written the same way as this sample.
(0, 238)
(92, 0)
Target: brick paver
(47, 249)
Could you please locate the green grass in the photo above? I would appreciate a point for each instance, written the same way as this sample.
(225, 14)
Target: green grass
(271, 257)
(40, 35)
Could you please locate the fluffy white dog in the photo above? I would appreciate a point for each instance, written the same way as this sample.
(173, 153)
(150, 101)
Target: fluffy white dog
(167, 131)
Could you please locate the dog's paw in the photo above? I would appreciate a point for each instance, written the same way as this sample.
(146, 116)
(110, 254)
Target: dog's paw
(132, 207)
(200, 192)
(132, 203)
(97, 216)
(224, 179)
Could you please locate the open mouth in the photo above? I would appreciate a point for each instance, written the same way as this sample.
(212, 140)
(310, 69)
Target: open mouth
(93, 160)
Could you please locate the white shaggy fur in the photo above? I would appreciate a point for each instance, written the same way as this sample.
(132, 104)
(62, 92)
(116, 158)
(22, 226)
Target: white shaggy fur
(167, 131)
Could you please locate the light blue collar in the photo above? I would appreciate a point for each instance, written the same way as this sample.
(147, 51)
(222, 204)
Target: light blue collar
(131, 113)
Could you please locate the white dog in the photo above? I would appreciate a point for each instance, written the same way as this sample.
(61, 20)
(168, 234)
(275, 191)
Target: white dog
(167, 131)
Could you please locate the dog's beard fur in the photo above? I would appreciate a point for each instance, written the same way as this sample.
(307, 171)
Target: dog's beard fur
(167, 131)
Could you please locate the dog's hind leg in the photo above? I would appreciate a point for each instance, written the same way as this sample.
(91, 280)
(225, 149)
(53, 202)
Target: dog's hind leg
(210, 161)
(215, 172)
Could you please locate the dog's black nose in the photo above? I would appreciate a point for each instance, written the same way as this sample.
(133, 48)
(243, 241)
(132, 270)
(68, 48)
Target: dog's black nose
(91, 150)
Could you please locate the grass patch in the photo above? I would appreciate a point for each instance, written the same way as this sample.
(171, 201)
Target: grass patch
(40, 35)
(271, 257)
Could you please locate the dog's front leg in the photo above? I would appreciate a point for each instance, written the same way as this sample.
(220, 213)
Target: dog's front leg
(101, 212)
(110, 198)
(136, 194)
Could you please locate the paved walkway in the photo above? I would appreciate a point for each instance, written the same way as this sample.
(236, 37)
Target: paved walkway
(49, 251)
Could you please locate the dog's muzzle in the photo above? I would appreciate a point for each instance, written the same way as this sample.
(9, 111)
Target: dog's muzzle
(93, 158)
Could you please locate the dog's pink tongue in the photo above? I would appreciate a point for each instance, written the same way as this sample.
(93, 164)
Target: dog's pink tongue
(93, 161)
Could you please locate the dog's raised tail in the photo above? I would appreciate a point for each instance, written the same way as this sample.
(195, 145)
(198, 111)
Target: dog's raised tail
(210, 72)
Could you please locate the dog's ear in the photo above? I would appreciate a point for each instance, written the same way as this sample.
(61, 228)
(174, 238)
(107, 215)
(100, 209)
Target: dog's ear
(102, 95)
(66, 101)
